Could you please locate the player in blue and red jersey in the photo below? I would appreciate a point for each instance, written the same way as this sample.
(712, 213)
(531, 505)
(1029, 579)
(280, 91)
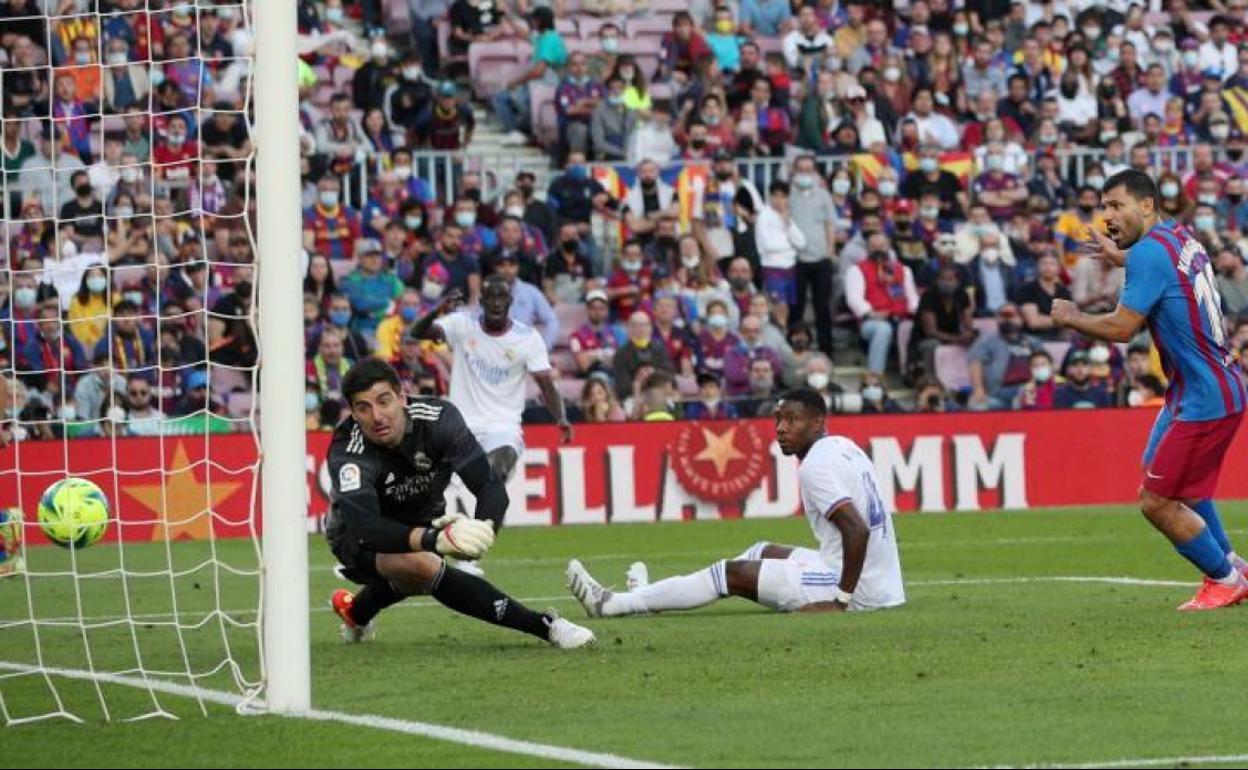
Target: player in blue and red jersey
(1170, 286)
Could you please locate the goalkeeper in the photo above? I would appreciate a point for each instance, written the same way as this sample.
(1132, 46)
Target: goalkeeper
(390, 463)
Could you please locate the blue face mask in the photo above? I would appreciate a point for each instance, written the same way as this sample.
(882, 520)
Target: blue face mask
(340, 317)
(408, 314)
(311, 402)
(576, 172)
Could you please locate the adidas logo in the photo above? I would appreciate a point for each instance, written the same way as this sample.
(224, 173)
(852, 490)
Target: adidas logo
(390, 478)
(500, 609)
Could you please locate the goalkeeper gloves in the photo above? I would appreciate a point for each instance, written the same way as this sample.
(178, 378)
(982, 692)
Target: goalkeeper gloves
(458, 536)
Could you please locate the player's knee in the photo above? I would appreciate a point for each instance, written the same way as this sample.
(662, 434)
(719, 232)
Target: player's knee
(502, 462)
(410, 573)
(740, 577)
(1154, 506)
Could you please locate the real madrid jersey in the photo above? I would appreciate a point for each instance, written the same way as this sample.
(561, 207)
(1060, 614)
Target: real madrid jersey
(836, 471)
(489, 372)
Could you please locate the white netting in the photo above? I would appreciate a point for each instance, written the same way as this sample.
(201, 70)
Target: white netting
(145, 387)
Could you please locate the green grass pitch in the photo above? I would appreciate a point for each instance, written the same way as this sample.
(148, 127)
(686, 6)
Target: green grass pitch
(991, 662)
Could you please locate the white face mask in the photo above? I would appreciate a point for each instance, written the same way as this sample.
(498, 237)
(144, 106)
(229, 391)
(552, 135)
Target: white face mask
(329, 198)
(840, 186)
(1169, 189)
(411, 73)
(892, 74)
(1099, 355)
(929, 212)
(872, 393)
(1042, 373)
(991, 256)
(404, 173)
(1135, 398)
(888, 188)
(130, 175)
(515, 211)
(817, 380)
(117, 58)
(465, 218)
(1096, 182)
(690, 262)
(431, 290)
(1220, 131)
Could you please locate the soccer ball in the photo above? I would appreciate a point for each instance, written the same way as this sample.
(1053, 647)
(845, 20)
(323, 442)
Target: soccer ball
(73, 513)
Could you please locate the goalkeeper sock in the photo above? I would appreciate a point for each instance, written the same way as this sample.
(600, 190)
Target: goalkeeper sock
(372, 599)
(472, 596)
(684, 592)
(1204, 551)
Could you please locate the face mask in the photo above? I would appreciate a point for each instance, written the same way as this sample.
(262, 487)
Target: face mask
(610, 44)
(888, 188)
(690, 262)
(711, 120)
(311, 402)
(130, 175)
(380, 51)
(1009, 329)
(1205, 223)
(569, 245)
(514, 211)
(928, 165)
(576, 172)
(817, 380)
(739, 283)
(627, 74)
(1235, 197)
(615, 100)
(929, 212)
(996, 162)
(340, 317)
(96, 284)
(157, 77)
(872, 393)
(1086, 210)
(724, 26)
(24, 297)
(465, 219)
(1099, 355)
(1235, 154)
(1220, 131)
(649, 184)
(1135, 398)
(83, 190)
(631, 265)
(760, 384)
(947, 289)
(697, 144)
(413, 223)
(432, 290)
(334, 15)
(892, 74)
(717, 321)
(839, 186)
(1092, 33)
(411, 73)
(1169, 189)
(1208, 199)
(124, 211)
(1096, 182)
(117, 58)
(991, 256)
(1163, 46)
(1191, 59)
(1048, 139)
(177, 139)
(404, 173)
(1042, 373)
(134, 297)
(329, 198)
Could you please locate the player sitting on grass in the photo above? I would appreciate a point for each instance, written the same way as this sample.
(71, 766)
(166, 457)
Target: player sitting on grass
(390, 462)
(855, 568)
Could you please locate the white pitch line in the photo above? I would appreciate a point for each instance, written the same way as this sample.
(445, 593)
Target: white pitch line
(473, 738)
(1236, 759)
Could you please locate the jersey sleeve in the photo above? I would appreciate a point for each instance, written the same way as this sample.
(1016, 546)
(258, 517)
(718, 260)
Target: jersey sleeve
(452, 439)
(1149, 272)
(452, 328)
(353, 476)
(535, 356)
(823, 491)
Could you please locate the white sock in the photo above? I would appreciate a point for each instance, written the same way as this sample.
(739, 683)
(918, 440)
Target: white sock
(684, 592)
(753, 553)
(1237, 561)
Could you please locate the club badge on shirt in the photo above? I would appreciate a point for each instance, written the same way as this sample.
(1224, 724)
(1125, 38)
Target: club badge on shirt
(349, 478)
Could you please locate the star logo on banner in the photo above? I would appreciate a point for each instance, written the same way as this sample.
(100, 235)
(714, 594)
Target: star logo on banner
(182, 501)
(720, 450)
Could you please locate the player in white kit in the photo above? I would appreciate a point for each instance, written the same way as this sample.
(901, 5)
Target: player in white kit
(855, 568)
(493, 356)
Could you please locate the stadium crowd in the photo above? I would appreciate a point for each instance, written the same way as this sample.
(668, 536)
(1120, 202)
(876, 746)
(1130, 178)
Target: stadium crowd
(932, 169)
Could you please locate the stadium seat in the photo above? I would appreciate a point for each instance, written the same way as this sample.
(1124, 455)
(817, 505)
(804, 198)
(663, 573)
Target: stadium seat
(562, 360)
(687, 385)
(545, 117)
(986, 326)
(588, 26)
(570, 388)
(566, 26)
(489, 65)
(571, 317)
(1058, 351)
(904, 330)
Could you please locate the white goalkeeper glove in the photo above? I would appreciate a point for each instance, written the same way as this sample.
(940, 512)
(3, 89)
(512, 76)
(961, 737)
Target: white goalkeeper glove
(461, 537)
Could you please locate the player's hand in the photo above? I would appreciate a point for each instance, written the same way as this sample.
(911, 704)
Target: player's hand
(565, 432)
(462, 537)
(453, 299)
(1103, 248)
(1063, 312)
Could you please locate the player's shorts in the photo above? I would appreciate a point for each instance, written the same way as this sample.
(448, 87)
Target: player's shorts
(790, 584)
(1183, 457)
(780, 283)
(497, 436)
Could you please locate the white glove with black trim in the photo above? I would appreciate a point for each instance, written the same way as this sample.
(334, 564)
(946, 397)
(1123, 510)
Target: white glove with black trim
(461, 537)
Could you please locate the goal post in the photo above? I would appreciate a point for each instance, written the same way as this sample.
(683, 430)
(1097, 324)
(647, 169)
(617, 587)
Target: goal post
(284, 611)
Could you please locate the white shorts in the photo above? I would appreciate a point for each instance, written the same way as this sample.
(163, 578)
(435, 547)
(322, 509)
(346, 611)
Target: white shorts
(790, 584)
(497, 436)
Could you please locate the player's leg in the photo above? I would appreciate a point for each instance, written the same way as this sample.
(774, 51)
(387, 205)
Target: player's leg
(682, 592)
(418, 573)
(638, 574)
(1207, 510)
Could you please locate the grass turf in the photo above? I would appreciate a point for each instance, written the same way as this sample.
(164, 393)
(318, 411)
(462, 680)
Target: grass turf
(984, 666)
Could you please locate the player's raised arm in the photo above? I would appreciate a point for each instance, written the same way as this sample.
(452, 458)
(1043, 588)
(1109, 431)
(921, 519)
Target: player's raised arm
(426, 329)
(1119, 326)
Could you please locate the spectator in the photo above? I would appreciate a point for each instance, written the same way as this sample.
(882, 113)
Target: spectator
(98, 388)
(576, 100)
(681, 49)
(640, 350)
(371, 288)
(710, 404)
(377, 75)
(49, 358)
(995, 281)
(72, 116)
(445, 123)
(518, 241)
(1232, 281)
(319, 281)
(549, 55)
(384, 206)
(394, 327)
(806, 46)
(477, 238)
(89, 308)
(1079, 391)
(130, 346)
(1139, 363)
(772, 125)
(602, 64)
(593, 345)
(1148, 392)
(338, 319)
(875, 398)
(598, 403)
(327, 368)
(1035, 298)
(1039, 391)
(658, 398)
(724, 40)
(716, 338)
(934, 129)
(766, 18)
(738, 359)
(142, 416)
(528, 304)
(1151, 98)
(124, 83)
(648, 201)
(1000, 363)
(612, 124)
(815, 216)
(673, 335)
(779, 238)
(330, 227)
(231, 335)
(999, 190)
(880, 292)
(930, 178)
(80, 217)
(631, 284)
(760, 398)
(567, 272)
(984, 73)
(1218, 53)
(339, 138)
(944, 318)
(463, 270)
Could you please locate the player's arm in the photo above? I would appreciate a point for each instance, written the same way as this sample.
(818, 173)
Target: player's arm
(460, 448)
(426, 329)
(854, 538)
(554, 403)
(1119, 326)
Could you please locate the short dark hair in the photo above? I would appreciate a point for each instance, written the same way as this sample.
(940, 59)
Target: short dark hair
(1138, 185)
(778, 186)
(365, 374)
(809, 398)
(1151, 382)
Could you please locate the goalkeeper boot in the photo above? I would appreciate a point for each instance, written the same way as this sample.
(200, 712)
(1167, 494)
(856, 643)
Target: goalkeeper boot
(1213, 595)
(565, 634)
(352, 633)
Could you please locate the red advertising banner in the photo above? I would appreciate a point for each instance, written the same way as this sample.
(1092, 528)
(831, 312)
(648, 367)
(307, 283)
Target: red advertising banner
(181, 486)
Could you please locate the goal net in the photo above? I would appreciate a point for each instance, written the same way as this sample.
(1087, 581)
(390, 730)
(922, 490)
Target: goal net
(130, 349)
